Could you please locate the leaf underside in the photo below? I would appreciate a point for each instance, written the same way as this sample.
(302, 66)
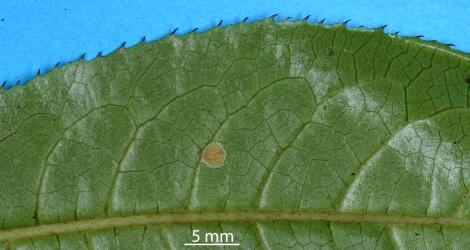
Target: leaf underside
(333, 138)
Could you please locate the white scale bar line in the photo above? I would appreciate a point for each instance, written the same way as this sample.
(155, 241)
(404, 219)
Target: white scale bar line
(212, 244)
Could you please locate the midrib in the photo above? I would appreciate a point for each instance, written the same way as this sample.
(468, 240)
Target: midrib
(236, 216)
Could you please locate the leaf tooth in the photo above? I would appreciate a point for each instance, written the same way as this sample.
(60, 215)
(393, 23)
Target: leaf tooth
(244, 20)
(220, 23)
(383, 27)
(346, 22)
(306, 18)
(322, 21)
(273, 16)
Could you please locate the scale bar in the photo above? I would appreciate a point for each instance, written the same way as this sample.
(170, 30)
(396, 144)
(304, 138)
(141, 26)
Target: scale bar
(212, 244)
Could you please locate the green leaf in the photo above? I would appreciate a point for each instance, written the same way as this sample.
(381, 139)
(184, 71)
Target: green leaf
(317, 137)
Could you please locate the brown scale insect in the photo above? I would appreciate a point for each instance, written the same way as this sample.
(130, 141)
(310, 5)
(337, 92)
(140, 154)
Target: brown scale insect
(213, 155)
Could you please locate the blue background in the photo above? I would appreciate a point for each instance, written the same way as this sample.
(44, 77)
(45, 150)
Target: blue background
(38, 34)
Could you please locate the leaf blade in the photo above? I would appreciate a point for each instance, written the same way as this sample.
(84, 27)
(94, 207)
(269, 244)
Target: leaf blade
(314, 120)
